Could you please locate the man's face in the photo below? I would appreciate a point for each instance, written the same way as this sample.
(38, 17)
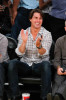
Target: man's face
(65, 28)
(36, 20)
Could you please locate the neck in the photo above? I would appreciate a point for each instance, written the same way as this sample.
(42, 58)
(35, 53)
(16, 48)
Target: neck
(34, 32)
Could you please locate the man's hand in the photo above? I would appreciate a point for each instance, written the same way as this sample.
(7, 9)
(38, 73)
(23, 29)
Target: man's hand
(60, 71)
(38, 41)
(24, 36)
(2, 8)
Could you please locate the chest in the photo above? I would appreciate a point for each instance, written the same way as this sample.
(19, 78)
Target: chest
(63, 49)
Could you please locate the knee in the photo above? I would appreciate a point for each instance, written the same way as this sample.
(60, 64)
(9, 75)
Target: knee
(1, 67)
(46, 66)
(12, 65)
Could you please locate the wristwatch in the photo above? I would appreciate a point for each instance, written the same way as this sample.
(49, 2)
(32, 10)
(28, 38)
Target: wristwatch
(39, 47)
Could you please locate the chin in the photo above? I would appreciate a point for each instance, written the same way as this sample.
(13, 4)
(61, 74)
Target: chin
(37, 27)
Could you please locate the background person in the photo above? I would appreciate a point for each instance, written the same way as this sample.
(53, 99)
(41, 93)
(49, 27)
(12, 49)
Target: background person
(20, 15)
(3, 62)
(45, 6)
(57, 19)
(5, 22)
(59, 84)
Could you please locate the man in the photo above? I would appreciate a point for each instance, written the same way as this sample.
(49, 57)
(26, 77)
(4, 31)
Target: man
(56, 19)
(33, 46)
(59, 85)
(20, 15)
(3, 59)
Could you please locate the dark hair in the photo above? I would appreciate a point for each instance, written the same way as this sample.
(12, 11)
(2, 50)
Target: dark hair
(35, 11)
(1, 1)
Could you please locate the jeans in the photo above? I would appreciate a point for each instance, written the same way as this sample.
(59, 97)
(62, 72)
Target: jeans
(21, 22)
(3, 70)
(17, 68)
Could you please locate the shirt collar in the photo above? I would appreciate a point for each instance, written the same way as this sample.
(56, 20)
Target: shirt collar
(39, 33)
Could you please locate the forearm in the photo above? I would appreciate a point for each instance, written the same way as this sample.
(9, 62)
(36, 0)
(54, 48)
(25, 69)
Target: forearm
(43, 4)
(15, 4)
(57, 63)
(22, 47)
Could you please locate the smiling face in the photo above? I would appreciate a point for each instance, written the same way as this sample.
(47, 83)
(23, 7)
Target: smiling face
(36, 20)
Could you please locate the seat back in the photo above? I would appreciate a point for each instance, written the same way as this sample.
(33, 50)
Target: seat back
(12, 44)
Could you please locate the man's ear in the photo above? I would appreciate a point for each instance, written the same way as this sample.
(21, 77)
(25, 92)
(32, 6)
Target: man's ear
(30, 20)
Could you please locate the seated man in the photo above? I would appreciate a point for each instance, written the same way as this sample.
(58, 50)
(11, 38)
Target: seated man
(33, 46)
(3, 59)
(59, 85)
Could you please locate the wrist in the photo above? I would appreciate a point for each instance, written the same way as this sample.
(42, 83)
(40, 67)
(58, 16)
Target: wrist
(24, 42)
(39, 47)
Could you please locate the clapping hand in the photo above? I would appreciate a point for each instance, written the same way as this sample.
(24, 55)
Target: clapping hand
(38, 41)
(24, 36)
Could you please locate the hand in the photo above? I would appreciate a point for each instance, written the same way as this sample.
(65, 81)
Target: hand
(38, 41)
(24, 36)
(60, 71)
(49, 1)
(2, 8)
(64, 73)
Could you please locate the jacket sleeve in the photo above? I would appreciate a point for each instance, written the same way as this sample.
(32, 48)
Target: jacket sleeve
(57, 54)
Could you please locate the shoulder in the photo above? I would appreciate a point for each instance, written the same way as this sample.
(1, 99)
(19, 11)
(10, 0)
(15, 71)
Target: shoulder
(3, 37)
(61, 39)
(3, 40)
(45, 31)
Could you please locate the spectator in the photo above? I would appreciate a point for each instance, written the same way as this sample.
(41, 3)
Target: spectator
(5, 23)
(45, 6)
(20, 15)
(59, 85)
(33, 46)
(57, 19)
(3, 62)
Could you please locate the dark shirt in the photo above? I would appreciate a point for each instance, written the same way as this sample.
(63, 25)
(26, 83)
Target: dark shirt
(58, 9)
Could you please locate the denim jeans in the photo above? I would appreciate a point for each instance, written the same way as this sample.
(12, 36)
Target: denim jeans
(21, 22)
(42, 69)
(3, 71)
(1, 79)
